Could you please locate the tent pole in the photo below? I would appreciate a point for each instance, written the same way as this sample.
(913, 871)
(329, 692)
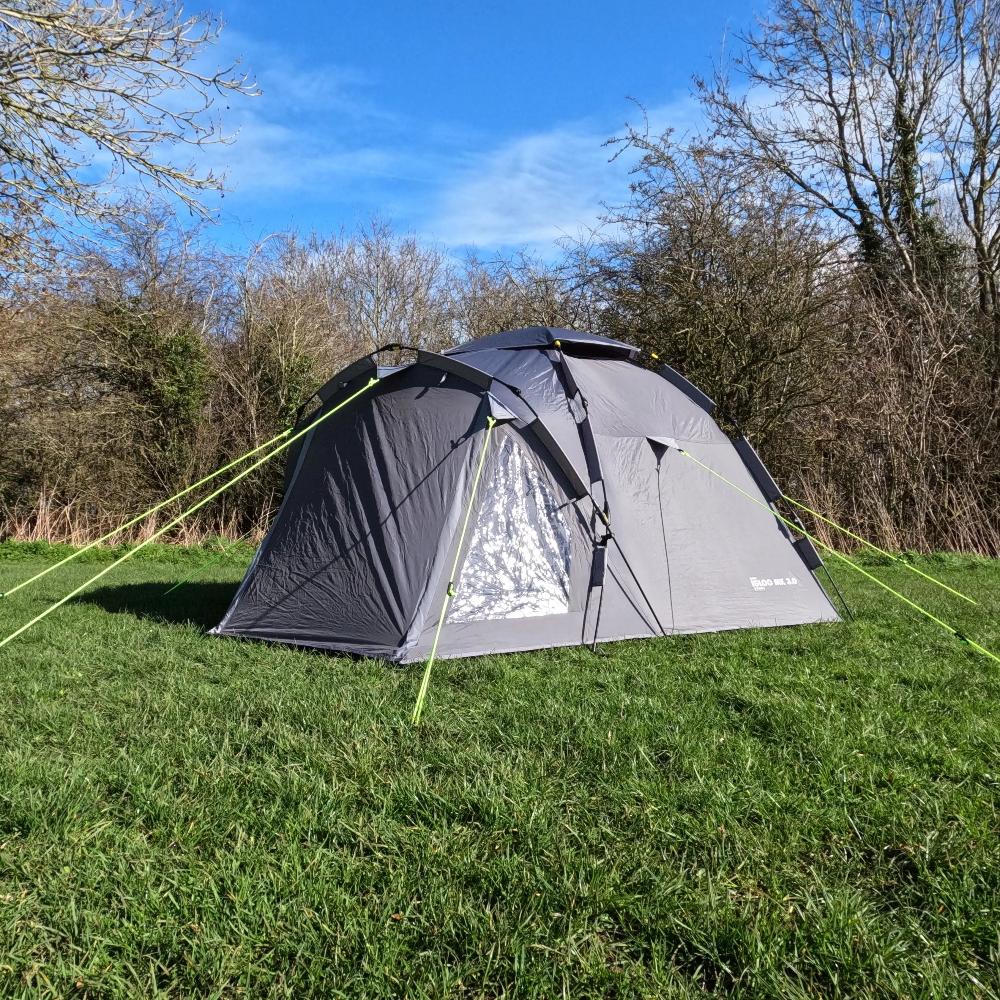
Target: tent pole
(597, 620)
(836, 587)
(951, 630)
(152, 510)
(450, 590)
(180, 517)
(645, 597)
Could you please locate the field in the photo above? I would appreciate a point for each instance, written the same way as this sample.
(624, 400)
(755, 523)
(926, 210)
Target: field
(798, 812)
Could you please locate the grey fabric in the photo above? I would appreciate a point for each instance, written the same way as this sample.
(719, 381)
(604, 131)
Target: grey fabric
(543, 336)
(347, 562)
(713, 543)
(359, 556)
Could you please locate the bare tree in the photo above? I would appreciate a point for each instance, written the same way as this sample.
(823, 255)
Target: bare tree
(100, 85)
(390, 288)
(852, 101)
(518, 291)
(284, 338)
(969, 129)
(718, 270)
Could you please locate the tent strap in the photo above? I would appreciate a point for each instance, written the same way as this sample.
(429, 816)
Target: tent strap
(452, 579)
(951, 630)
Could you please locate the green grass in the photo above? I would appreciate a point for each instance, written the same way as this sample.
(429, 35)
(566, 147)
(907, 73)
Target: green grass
(786, 813)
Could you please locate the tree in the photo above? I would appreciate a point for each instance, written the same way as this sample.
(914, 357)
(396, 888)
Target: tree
(390, 288)
(872, 109)
(718, 270)
(92, 89)
(518, 291)
(970, 133)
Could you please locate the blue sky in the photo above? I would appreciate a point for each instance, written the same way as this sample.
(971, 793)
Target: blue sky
(473, 124)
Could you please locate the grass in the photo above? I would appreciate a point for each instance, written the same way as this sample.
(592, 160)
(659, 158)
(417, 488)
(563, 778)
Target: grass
(802, 812)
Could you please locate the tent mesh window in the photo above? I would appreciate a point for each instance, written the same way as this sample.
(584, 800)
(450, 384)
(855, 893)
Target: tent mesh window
(519, 558)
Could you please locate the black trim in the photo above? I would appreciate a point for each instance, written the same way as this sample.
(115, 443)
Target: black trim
(362, 367)
(757, 469)
(552, 446)
(484, 381)
(805, 547)
(544, 337)
(808, 553)
(812, 560)
(333, 388)
(589, 443)
(584, 427)
(451, 366)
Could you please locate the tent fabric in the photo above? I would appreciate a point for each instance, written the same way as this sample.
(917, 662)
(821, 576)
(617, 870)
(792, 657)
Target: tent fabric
(358, 557)
(542, 336)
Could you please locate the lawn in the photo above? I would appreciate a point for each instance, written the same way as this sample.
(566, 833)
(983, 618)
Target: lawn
(786, 813)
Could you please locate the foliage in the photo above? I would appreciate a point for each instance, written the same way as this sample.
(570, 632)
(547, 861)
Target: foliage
(822, 262)
(164, 375)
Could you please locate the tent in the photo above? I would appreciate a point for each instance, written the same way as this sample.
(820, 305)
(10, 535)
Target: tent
(526, 490)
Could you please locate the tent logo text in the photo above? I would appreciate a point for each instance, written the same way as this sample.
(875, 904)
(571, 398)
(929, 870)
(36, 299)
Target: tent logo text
(762, 583)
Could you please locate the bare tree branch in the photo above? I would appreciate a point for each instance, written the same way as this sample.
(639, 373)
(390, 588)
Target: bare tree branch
(91, 91)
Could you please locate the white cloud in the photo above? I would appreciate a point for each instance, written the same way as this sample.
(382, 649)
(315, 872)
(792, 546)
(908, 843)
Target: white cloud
(536, 189)
(531, 190)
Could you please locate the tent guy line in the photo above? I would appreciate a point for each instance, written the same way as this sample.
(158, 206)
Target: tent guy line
(198, 570)
(950, 629)
(180, 517)
(152, 510)
(875, 548)
(451, 589)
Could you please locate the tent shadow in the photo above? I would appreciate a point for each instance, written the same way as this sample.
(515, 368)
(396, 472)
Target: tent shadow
(201, 604)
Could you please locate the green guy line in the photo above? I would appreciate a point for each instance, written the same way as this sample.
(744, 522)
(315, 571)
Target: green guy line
(180, 517)
(875, 548)
(152, 510)
(198, 570)
(850, 562)
(450, 591)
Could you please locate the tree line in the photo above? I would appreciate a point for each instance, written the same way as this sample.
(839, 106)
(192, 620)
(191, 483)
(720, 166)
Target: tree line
(823, 260)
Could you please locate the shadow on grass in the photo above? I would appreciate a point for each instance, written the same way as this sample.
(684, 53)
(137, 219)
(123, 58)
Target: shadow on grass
(201, 604)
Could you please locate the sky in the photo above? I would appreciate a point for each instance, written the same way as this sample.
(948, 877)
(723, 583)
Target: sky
(475, 125)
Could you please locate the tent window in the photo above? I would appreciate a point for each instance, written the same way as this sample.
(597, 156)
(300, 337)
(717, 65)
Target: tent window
(519, 557)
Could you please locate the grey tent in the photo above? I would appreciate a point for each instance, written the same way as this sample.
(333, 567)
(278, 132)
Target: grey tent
(589, 524)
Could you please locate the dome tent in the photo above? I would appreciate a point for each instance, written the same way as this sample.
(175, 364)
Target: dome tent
(534, 483)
